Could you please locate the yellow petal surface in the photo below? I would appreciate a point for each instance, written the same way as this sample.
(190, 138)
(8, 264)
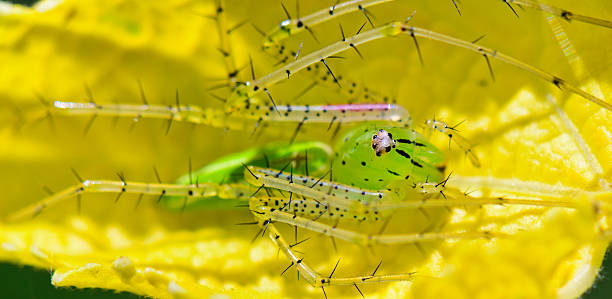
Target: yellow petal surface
(533, 141)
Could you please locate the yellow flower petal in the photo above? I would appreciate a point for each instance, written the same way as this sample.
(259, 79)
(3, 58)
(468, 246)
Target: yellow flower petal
(528, 148)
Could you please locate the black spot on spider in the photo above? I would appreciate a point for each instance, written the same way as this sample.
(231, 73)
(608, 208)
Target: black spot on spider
(393, 172)
(566, 15)
(299, 24)
(363, 163)
(343, 162)
(403, 153)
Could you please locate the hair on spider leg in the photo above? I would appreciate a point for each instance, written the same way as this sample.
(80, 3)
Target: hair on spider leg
(48, 113)
(486, 57)
(247, 223)
(375, 270)
(298, 243)
(47, 190)
(138, 201)
(237, 26)
(416, 45)
(79, 190)
(384, 225)
(121, 177)
(288, 267)
(511, 8)
(330, 71)
(337, 130)
(456, 7)
(256, 235)
(297, 129)
(92, 102)
(367, 14)
(258, 189)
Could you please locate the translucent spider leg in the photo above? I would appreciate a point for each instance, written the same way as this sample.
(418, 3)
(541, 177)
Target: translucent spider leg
(320, 74)
(393, 29)
(291, 27)
(241, 119)
(313, 277)
(453, 135)
(275, 215)
(560, 12)
(363, 203)
(354, 91)
(225, 46)
(189, 192)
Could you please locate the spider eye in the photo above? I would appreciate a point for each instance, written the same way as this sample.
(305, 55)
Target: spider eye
(382, 142)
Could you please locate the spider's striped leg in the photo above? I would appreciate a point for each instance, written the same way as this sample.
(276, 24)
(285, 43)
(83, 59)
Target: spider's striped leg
(362, 204)
(313, 277)
(293, 26)
(263, 212)
(249, 89)
(225, 45)
(186, 193)
(245, 118)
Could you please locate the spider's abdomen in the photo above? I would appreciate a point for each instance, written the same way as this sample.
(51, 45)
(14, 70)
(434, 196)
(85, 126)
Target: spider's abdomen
(374, 156)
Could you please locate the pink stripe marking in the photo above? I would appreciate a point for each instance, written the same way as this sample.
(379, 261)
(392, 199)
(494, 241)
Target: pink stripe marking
(359, 107)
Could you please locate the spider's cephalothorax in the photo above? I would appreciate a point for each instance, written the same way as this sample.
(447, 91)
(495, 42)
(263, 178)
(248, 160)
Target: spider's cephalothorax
(376, 156)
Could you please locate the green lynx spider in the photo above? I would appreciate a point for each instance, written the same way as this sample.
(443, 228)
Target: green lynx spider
(373, 150)
(397, 160)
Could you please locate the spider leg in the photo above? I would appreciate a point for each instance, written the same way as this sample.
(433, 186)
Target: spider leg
(159, 191)
(314, 278)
